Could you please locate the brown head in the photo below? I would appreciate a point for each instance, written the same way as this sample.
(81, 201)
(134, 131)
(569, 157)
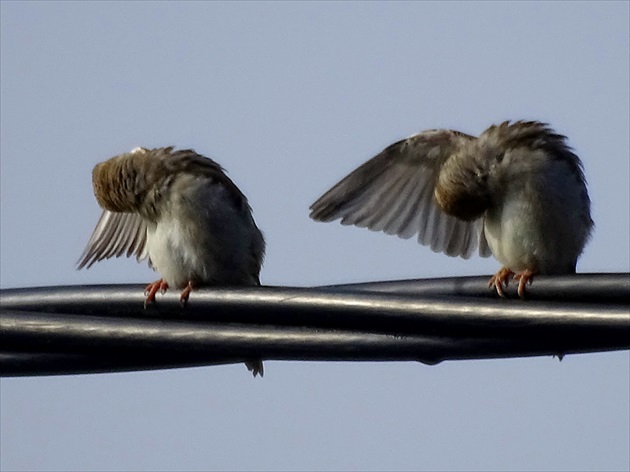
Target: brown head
(462, 188)
(119, 182)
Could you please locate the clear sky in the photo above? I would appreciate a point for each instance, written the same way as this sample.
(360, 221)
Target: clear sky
(289, 97)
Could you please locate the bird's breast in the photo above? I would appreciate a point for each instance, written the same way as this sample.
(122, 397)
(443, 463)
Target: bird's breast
(172, 251)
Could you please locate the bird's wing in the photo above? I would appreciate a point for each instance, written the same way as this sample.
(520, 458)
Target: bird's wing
(115, 234)
(171, 162)
(394, 192)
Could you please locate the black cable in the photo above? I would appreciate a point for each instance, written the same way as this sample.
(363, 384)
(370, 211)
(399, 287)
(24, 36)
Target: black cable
(604, 288)
(52, 330)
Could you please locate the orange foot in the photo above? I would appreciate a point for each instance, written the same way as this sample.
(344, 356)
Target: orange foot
(183, 298)
(152, 289)
(524, 277)
(500, 280)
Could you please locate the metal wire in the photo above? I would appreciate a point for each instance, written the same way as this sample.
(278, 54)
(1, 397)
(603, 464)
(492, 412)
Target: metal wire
(83, 329)
(605, 288)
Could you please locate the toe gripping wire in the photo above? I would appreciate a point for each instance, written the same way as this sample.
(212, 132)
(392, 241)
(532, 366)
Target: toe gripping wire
(105, 328)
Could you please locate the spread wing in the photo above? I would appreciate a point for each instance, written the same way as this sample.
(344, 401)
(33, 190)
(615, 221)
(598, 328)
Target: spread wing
(394, 193)
(115, 234)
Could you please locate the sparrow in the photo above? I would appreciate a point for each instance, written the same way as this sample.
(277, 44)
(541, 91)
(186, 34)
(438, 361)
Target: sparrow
(180, 211)
(516, 192)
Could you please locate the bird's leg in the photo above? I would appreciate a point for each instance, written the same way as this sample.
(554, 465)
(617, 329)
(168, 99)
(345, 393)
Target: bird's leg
(524, 277)
(152, 289)
(183, 298)
(500, 280)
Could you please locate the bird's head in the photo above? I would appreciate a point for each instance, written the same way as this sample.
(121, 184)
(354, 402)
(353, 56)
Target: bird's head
(462, 187)
(116, 182)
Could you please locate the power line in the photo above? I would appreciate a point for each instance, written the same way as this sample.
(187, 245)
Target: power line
(83, 329)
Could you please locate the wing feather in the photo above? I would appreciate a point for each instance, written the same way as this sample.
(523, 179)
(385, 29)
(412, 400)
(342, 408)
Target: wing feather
(115, 234)
(394, 192)
(393, 213)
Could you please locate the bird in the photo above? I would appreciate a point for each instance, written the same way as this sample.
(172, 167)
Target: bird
(517, 192)
(179, 210)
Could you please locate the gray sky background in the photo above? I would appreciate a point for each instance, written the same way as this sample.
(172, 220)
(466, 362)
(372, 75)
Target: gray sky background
(289, 97)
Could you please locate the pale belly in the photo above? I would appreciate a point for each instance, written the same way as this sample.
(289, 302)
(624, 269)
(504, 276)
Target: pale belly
(522, 238)
(513, 242)
(203, 251)
(170, 254)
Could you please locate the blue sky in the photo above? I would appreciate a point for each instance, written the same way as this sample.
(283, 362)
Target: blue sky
(289, 97)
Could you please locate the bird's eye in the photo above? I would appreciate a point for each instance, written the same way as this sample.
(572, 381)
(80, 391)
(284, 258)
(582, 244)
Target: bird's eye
(499, 157)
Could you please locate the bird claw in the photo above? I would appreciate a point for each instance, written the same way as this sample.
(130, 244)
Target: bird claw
(183, 298)
(525, 277)
(152, 289)
(500, 280)
(160, 286)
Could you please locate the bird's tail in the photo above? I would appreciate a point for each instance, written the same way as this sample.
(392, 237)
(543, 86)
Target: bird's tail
(255, 367)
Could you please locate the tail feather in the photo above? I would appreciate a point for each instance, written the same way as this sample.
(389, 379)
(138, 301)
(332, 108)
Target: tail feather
(255, 367)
